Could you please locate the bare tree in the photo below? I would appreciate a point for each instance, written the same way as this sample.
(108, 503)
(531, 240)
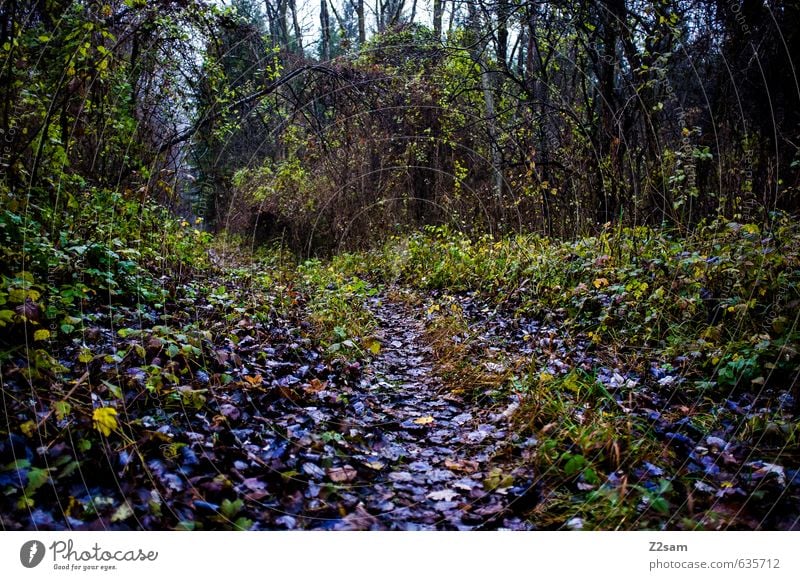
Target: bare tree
(438, 9)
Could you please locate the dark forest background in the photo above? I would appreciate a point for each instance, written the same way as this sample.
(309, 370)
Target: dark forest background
(336, 124)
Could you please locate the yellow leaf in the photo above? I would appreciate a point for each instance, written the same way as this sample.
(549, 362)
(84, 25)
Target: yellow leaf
(85, 356)
(28, 428)
(41, 334)
(600, 282)
(545, 377)
(256, 380)
(123, 512)
(105, 420)
(427, 420)
(373, 345)
(62, 409)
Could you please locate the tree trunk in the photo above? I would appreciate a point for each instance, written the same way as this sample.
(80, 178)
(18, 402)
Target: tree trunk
(503, 10)
(488, 101)
(438, 9)
(325, 29)
(362, 29)
(298, 33)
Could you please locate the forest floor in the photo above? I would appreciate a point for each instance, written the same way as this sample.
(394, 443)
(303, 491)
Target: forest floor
(438, 383)
(385, 446)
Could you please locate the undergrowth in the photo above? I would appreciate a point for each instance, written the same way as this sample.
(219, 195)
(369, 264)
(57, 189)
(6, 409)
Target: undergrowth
(612, 347)
(682, 326)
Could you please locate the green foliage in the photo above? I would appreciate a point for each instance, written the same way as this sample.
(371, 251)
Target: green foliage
(634, 285)
(108, 249)
(336, 303)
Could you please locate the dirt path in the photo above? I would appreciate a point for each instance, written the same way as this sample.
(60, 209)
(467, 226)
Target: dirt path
(431, 451)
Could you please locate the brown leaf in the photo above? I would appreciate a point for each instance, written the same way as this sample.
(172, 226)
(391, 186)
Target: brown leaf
(289, 393)
(359, 520)
(463, 465)
(314, 386)
(256, 380)
(342, 474)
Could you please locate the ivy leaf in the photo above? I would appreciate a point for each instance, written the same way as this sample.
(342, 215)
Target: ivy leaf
(37, 477)
(230, 508)
(41, 334)
(6, 317)
(105, 420)
(114, 389)
(62, 409)
(574, 464)
(243, 524)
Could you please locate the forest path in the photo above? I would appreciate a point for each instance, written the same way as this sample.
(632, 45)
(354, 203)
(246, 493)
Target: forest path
(435, 453)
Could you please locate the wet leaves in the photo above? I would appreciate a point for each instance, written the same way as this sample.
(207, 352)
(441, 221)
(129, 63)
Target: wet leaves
(261, 428)
(443, 495)
(105, 420)
(343, 474)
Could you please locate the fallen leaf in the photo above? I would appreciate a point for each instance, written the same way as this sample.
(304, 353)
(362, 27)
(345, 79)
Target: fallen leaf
(342, 474)
(497, 479)
(62, 409)
(764, 469)
(314, 386)
(123, 512)
(427, 420)
(105, 420)
(313, 470)
(400, 477)
(28, 428)
(289, 393)
(373, 345)
(230, 411)
(493, 367)
(443, 495)
(376, 465)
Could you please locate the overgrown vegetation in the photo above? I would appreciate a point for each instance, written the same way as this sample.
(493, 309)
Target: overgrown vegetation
(618, 347)
(517, 269)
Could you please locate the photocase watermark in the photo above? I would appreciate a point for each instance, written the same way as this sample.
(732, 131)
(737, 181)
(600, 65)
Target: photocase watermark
(736, 8)
(31, 553)
(6, 142)
(66, 556)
